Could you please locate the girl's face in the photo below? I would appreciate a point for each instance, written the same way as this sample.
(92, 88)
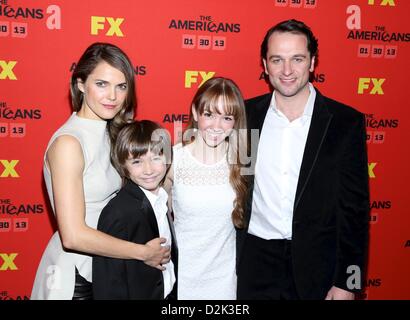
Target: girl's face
(105, 91)
(214, 125)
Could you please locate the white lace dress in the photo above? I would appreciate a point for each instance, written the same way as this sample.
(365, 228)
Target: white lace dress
(202, 200)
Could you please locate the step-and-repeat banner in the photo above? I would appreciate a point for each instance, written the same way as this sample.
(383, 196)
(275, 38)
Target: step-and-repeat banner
(175, 46)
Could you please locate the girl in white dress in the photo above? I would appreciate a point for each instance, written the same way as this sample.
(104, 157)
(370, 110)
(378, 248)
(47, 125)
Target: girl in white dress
(80, 179)
(209, 192)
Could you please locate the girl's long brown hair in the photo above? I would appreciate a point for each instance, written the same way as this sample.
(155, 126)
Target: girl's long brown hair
(206, 99)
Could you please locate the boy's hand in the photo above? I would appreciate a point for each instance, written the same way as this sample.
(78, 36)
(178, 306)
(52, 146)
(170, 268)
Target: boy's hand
(157, 254)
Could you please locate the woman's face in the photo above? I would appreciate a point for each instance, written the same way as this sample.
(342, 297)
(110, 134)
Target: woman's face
(105, 91)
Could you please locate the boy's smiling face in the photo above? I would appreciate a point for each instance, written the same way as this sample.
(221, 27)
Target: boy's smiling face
(147, 171)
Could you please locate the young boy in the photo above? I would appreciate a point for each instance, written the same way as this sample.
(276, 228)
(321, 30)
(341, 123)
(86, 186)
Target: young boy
(139, 213)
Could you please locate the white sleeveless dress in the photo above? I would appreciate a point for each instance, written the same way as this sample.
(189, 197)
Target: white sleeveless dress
(202, 199)
(55, 278)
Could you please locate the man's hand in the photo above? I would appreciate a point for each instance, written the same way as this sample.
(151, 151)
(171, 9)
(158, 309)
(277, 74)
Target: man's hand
(336, 293)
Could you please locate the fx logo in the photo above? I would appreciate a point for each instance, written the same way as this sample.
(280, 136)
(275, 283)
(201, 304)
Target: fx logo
(371, 167)
(98, 23)
(6, 70)
(9, 168)
(364, 84)
(8, 261)
(192, 77)
(383, 3)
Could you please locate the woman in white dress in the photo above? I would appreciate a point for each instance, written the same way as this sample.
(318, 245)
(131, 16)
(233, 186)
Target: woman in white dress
(80, 179)
(209, 192)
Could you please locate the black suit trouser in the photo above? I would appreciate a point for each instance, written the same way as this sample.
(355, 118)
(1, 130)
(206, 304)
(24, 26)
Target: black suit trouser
(265, 270)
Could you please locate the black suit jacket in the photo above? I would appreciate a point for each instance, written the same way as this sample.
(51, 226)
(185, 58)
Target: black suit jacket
(129, 216)
(331, 209)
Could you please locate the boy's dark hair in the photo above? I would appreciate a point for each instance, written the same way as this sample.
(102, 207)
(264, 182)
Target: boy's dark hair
(292, 26)
(136, 139)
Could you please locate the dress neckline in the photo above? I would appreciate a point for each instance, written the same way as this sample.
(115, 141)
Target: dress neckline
(96, 124)
(200, 162)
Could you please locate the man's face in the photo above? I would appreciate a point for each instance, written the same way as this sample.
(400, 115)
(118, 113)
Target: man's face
(288, 63)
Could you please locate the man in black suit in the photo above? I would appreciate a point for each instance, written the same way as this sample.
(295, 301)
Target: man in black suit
(307, 221)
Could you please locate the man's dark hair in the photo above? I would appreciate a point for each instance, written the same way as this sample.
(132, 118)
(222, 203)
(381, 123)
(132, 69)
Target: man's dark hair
(292, 26)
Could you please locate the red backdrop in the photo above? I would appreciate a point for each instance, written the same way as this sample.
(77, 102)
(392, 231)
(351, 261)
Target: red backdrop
(175, 45)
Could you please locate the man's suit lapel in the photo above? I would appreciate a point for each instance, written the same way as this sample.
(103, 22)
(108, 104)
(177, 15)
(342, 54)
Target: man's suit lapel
(319, 125)
(259, 112)
(256, 117)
